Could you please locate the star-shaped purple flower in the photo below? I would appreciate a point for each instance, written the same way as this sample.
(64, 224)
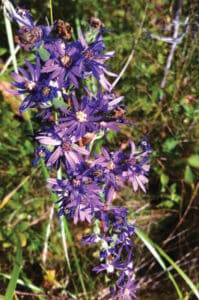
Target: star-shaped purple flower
(64, 148)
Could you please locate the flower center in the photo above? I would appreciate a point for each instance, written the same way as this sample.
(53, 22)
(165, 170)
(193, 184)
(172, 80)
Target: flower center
(126, 292)
(66, 61)
(88, 54)
(66, 146)
(42, 154)
(46, 91)
(111, 165)
(110, 268)
(132, 161)
(30, 85)
(98, 173)
(76, 182)
(81, 116)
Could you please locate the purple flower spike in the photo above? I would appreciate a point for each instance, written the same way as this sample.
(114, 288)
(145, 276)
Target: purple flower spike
(74, 119)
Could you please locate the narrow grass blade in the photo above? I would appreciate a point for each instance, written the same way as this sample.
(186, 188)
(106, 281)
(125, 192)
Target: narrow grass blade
(10, 40)
(28, 284)
(64, 239)
(15, 273)
(69, 237)
(48, 232)
(180, 271)
(9, 196)
(151, 246)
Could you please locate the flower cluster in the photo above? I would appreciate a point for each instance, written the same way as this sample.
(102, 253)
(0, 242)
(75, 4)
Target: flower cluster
(68, 84)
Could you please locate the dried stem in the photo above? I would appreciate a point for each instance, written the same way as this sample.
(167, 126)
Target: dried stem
(177, 12)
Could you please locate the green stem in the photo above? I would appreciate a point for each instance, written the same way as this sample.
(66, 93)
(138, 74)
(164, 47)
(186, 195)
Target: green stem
(51, 12)
(62, 226)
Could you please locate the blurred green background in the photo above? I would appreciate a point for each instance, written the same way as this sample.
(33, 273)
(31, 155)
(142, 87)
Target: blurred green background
(168, 213)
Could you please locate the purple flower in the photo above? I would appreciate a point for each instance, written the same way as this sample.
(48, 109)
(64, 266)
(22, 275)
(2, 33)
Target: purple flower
(64, 148)
(127, 291)
(90, 181)
(93, 60)
(79, 198)
(78, 60)
(64, 63)
(108, 106)
(21, 16)
(137, 168)
(112, 172)
(41, 153)
(38, 90)
(80, 118)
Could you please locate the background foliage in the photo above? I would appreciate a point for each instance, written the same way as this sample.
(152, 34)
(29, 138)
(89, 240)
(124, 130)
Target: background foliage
(168, 213)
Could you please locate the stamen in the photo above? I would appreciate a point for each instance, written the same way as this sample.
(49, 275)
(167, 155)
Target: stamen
(110, 268)
(89, 54)
(111, 165)
(76, 182)
(66, 61)
(126, 292)
(81, 116)
(66, 146)
(46, 91)
(30, 85)
(42, 154)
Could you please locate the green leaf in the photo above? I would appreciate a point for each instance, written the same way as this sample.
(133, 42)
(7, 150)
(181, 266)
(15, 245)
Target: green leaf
(161, 58)
(169, 144)
(44, 54)
(193, 161)
(164, 179)
(2, 51)
(189, 175)
(59, 103)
